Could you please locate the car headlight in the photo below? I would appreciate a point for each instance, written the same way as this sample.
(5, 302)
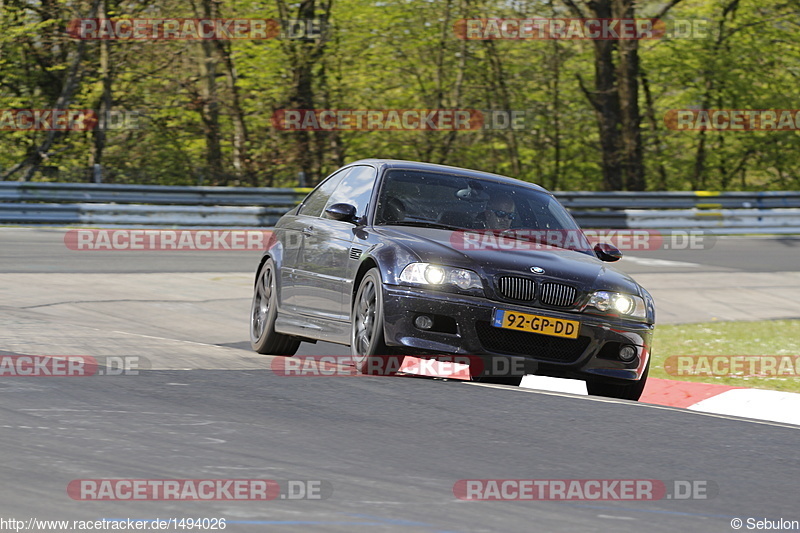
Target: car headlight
(430, 274)
(618, 303)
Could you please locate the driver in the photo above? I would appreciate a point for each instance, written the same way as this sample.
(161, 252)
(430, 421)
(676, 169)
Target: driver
(500, 212)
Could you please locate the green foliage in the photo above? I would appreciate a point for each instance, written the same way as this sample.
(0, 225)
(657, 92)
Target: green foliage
(401, 54)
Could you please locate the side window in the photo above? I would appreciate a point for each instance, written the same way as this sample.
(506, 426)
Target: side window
(315, 203)
(355, 189)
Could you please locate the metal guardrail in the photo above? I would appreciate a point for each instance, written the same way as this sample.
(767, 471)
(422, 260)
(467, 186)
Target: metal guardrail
(89, 203)
(680, 200)
(179, 195)
(107, 204)
(148, 194)
(146, 215)
(764, 219)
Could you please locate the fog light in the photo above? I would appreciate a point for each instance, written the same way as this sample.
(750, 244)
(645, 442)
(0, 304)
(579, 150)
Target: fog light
(423, 322)
(627, 353)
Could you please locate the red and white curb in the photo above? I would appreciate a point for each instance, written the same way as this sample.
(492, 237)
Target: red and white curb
(774, 406)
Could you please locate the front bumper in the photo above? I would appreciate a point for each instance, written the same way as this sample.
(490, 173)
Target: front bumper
(590, 357)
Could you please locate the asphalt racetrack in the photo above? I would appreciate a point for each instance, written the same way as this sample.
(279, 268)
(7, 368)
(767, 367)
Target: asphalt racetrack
(388, 451)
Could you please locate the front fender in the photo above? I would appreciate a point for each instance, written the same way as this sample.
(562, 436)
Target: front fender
(274, 250)
(391, 260)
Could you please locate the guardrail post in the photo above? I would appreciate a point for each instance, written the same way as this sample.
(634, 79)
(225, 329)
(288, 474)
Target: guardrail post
(97, 173)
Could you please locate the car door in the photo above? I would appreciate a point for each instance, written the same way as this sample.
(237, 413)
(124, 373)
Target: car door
(324, 266)
(294, 266)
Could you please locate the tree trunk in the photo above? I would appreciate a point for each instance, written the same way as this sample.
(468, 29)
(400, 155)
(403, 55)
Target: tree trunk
(651, 118)
(499, 82)
(628, 90)
(304, 54)
(104, 105)
(241, 160)
(710, 90)
(615, 97)
(605, 98)
(209, 111)
(698, 178)
(556, 93)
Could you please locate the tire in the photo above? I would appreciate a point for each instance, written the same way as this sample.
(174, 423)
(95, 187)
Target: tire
(263, 312)
(632, 391)
(367, 345)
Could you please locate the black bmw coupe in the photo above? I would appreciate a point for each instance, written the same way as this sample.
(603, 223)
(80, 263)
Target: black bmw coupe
(400, 257)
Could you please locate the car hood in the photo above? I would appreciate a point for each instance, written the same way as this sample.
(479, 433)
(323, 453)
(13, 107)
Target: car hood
(581, 269)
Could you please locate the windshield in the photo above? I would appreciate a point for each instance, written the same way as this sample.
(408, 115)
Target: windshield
(454, 202)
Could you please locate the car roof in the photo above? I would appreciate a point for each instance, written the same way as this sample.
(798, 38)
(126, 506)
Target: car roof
(381, 164)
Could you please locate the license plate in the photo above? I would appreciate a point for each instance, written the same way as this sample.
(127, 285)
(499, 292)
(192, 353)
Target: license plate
(543, 325)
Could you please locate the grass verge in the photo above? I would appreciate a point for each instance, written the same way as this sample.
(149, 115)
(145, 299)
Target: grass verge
(764, 338)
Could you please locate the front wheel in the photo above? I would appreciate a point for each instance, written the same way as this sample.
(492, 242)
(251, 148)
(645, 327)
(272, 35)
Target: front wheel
(632, 391)
(367, 346)
(263, 337)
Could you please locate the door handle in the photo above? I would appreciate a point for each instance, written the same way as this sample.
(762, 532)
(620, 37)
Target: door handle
(308, 230)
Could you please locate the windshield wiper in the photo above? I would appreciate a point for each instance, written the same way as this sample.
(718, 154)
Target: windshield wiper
(425, 224)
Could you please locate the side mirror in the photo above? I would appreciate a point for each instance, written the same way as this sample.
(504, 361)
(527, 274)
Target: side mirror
(607, 252)
(343, 212)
